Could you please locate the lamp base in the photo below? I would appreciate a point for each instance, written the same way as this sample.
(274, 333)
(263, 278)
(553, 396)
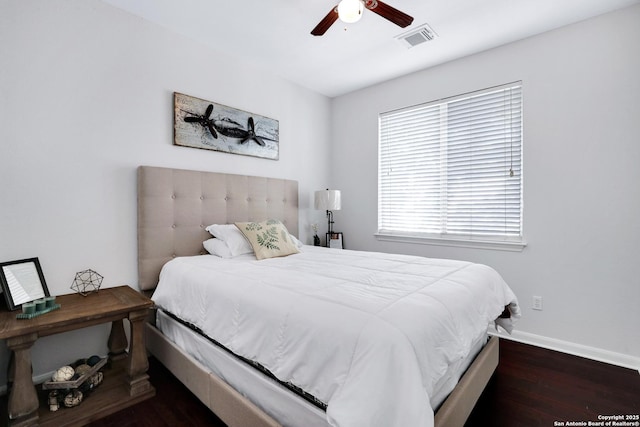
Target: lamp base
(329, 221)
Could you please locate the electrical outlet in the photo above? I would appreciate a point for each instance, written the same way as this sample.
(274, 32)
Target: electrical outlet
(537, 303)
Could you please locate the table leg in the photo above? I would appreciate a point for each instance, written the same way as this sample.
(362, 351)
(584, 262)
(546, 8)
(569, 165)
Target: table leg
(117, 341)
(11, 373)
(23, 399)
(138, 364)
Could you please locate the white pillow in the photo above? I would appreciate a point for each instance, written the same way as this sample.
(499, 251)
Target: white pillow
(217, 247)
(296, 242)
(232, 237)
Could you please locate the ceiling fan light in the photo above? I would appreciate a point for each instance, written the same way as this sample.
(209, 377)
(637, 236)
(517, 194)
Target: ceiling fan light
(350, 11)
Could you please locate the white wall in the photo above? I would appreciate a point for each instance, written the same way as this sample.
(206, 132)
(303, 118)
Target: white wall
(87, 96)
(581, 175)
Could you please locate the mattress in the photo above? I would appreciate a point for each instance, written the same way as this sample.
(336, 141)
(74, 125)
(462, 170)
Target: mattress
(269, 395)
(371, 335)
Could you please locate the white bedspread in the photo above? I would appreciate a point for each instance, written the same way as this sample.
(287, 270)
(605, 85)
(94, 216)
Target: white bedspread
(367, 333)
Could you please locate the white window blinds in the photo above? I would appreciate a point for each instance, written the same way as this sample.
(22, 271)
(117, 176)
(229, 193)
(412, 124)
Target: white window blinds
(452, 168)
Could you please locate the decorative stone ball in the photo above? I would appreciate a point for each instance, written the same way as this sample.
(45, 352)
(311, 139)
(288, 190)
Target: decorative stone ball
(63, 374)
(85, 388)
(74, 398)
(79, 362)
(96, 379)
(93, 360)
(82, 369)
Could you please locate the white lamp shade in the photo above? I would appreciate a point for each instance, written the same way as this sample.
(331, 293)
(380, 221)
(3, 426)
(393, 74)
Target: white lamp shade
(328, 200)
(350, 11)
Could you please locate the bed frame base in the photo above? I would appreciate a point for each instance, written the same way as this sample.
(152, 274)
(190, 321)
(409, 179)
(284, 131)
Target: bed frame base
(458, 406)
(231, 407)
(235, 410)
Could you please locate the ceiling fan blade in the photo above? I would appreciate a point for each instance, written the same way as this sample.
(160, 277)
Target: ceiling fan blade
(209, 110)
(190, 119)
(326, 22)
(390, 13)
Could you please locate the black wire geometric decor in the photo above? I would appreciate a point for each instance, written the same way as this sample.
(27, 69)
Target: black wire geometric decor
(87, 281)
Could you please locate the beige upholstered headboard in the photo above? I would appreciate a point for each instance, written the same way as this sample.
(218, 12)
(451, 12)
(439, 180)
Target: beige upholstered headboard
(175, 206)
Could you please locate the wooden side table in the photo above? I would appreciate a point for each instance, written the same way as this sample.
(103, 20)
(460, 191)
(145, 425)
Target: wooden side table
(125, 383)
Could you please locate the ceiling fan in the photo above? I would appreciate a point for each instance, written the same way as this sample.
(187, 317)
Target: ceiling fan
(351, 11)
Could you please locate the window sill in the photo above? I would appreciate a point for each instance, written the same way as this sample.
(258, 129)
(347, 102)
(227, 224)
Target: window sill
(498, 245)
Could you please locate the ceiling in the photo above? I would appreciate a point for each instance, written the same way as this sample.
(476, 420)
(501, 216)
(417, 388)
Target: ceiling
(275, 35)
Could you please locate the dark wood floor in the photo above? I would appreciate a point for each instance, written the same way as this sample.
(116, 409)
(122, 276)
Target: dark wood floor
(537, 387)
(173, 405)
(532, 387)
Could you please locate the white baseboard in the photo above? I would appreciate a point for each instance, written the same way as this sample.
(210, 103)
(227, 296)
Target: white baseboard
(593, 353)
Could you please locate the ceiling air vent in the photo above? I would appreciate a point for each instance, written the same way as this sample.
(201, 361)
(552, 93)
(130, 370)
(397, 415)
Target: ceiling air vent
(417, 36)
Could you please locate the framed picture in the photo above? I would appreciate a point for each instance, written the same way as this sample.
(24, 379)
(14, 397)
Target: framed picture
(334, 240)
(199, 123)
(22, 281)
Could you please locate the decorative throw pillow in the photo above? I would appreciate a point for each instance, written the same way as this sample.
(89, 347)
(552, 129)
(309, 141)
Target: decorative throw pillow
(232, 237)
(269, 238)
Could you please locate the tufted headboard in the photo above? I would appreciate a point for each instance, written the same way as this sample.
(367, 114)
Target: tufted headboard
(175, 206)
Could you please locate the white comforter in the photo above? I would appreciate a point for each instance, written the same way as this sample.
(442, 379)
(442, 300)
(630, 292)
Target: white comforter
(367, 333)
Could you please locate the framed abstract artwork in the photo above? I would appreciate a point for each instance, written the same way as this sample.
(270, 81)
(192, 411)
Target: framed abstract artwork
(205, 124)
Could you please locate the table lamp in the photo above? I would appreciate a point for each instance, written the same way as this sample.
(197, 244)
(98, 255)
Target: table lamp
(328, 200)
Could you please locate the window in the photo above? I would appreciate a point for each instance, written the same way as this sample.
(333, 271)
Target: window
(451, 170)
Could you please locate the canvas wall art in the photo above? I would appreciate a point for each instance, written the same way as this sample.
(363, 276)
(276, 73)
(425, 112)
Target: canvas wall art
(205, 124)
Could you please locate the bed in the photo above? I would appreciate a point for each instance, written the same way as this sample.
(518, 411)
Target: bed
(174, 209)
